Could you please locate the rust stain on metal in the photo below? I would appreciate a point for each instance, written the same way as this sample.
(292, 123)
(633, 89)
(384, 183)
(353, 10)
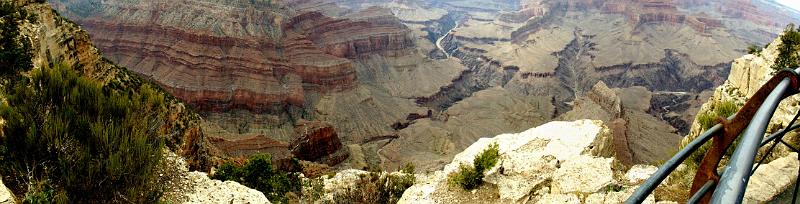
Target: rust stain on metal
(732, 129)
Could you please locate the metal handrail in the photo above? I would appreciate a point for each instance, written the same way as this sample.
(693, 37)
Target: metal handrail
(732, 184)
(734, 178)
(668, 167)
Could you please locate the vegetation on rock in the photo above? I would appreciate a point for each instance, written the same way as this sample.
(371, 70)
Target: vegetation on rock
(258, 173)
(14, 56)
(70, 137)
(720, 110)
(377, 187)
(790, 44)
(470, 177)
(675, 189)
(754, 50)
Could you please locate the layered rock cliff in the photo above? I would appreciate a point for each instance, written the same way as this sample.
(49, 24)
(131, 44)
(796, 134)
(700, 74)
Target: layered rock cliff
(54, 39)
(258, 56)
(639, 138)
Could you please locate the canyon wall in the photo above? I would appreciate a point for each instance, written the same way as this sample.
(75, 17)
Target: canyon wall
(268, 58)
(384, 75)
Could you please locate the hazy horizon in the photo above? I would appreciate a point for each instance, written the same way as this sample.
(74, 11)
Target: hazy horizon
(795, 4)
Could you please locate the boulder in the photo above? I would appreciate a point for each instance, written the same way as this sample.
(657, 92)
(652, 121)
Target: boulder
(639, 173)
(583, 174)
(772, 179)
(318, 141)
(207, 190)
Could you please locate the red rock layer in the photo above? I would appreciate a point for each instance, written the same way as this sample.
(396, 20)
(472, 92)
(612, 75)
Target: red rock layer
(658, 11)
(646, 11)
(315, 141)
(215, 72)
(745, 9)
(350, 39)
(245, 147)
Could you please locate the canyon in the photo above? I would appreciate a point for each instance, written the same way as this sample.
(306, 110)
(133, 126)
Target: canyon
(378, 84)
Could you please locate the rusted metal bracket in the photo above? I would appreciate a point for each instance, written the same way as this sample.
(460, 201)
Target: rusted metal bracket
(732, 128)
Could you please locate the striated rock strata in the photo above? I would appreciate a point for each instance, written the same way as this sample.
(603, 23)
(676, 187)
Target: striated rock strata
(318, 141)
(267, 58)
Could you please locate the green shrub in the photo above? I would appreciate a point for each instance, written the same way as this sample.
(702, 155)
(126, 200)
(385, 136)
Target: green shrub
(409, 168)
(708, 119)
(787, 51)
(14, 49)
(89, 143)
(466, 177)
(376, 187)
(487, 158)
(258, 173)
(722, 109)
(394, 186)
(470, 177)
(726, 109)
(754, 49)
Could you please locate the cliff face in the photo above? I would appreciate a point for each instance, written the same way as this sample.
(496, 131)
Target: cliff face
(252, 56)
(56, 39)
(639, 138)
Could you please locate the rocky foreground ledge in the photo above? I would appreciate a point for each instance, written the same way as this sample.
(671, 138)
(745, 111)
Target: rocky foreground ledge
(558, 162)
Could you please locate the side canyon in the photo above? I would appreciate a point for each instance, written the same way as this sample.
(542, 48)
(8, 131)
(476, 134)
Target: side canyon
(378, 84)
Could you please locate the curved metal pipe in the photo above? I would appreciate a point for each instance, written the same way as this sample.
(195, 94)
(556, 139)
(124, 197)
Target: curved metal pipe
(736, 174)
(651, 183)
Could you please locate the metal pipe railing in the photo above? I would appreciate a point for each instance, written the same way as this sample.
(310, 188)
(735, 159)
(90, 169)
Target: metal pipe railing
(734, 178)
(651, 183)
(736, 174)
(703, 190)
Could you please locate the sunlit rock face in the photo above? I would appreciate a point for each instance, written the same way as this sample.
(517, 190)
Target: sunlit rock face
(555, 162)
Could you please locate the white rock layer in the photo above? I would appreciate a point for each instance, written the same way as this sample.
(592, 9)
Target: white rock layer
(558, 162)
(772, 179)
(207, 190)
(6, 197)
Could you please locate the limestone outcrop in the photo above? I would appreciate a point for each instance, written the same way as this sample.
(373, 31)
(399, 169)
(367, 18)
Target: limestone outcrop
(206, 190)
(569, 162)
(6, 197)
(639, 138)
(183, 186)
(747, 75)
(772, 179)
